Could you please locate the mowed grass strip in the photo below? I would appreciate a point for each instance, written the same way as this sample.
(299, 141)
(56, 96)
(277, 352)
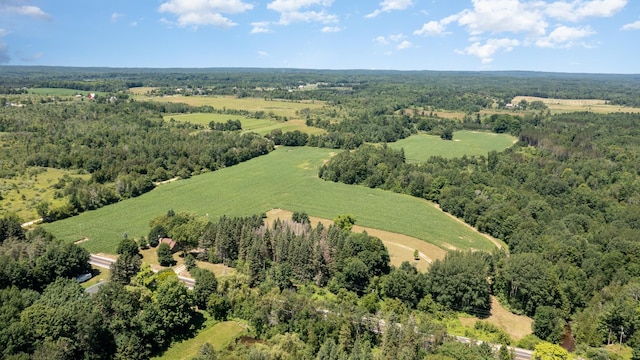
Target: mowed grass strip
(287, 179)
(419, 148)
(278, 107)
(219, 335)
(260, 126)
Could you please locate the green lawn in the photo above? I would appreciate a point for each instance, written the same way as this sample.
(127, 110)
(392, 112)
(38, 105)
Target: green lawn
(63, 92)
(218, 335)
(288, 179)
(419, 148)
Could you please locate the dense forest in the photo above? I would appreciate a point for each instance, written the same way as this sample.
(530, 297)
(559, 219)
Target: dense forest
(565, 199)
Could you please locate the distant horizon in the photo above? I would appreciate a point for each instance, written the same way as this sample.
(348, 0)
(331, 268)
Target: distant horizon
(554, 36)
(248, 68)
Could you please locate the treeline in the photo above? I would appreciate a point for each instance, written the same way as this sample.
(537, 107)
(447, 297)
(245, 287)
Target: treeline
(125, 147)
(564, 199)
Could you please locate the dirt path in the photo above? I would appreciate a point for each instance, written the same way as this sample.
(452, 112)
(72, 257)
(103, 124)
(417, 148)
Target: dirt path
(166, 181)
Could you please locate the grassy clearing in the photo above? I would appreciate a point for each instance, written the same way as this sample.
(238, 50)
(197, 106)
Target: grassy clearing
(101, 274)
(573, 105)
(517, 326)
(287, 179)
(278, 107)
(63, 92)
(260, 126)
(21, 194)
(219, 335)
(143, 90)
(419, 148)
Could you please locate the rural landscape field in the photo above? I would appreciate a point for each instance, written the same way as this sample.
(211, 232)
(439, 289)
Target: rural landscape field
(320, 180)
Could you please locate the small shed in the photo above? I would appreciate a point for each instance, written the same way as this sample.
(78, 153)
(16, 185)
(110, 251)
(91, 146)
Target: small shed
(170, 242)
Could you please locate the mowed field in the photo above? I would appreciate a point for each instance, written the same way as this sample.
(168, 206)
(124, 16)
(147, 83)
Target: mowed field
(419, 148)
(278, 107)
(572, 105)
(260, 126)
(63, 92)
(287, 179)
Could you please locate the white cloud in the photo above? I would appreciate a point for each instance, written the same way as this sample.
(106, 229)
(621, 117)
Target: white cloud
(4, 49)
(390, 5)
(632, 26)
(579, 9)
(397, 37)
(497, 16)
(331, 29)
(486, 51)
(381, 40)
(15, 7)
(262, 54)
(564, 36)
(204, 12)
(404, 45)
(116, 16)
(432, 28)
(260, 27)
(291, 11)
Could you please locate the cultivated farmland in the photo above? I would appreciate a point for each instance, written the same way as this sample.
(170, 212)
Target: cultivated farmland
(287, 179)
(260, 126)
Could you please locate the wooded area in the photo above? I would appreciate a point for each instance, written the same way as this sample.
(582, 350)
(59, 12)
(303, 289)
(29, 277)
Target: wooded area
(565, 199)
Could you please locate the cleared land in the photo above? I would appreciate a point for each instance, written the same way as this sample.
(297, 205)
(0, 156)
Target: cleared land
(400, 246)
(572, 105)
(260, 126)
(419, 148)
(143, 90)
(278, 107)
(219, 335)
(517, 326)
(63, 92)
(287, 178)
(21, 194)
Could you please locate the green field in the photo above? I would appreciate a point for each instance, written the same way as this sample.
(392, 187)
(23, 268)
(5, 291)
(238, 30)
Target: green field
(63, 92)
(287, 179)
(218, 335)
(21, 194)
(419, 148)
(260, 126)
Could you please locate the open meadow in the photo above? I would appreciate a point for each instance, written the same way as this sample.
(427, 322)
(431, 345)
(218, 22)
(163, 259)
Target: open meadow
(260, 126)
(573, 105)
(277, 107)
(419, 148)
(287, 179)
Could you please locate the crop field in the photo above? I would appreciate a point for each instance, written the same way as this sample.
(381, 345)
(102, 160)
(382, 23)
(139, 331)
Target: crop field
(572, 105)
(278, 107)
(143, 90)
(21, 194)
(419, 148)
(260, 126)
(287, 179)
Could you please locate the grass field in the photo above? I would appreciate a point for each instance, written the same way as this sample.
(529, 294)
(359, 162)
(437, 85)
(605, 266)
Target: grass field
(142, 90)
(419, 148)
(21, 194)
(219, 335)
(63, 92)
(278, 107)
(572, 105)
(287, 179)
(260, 126)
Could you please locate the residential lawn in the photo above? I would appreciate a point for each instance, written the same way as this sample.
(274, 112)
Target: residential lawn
(278, 107)
(419, 148)
(21, 194)
(286, 179)
(219, 335)
(100, 274)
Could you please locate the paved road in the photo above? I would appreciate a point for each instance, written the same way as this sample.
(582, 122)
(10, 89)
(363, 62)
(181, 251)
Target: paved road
(105, 262)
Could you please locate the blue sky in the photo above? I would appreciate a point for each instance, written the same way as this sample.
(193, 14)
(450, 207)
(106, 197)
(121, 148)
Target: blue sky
(594, 36)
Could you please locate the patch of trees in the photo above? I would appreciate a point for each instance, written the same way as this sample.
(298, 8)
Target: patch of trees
(125, 147)
(230, 125)
(564, 199)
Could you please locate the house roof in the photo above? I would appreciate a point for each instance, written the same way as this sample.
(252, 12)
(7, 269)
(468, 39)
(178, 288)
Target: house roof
(168, 241)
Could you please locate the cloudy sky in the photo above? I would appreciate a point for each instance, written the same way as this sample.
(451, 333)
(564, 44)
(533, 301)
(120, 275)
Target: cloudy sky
(595, 36)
